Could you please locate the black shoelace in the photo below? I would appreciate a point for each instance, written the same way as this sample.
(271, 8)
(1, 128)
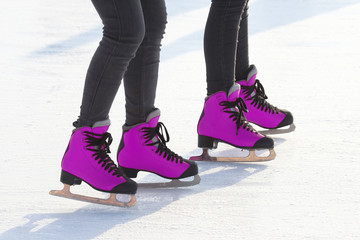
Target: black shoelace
(259, 98)
(101, 148)
(238, 116)
(156, 135)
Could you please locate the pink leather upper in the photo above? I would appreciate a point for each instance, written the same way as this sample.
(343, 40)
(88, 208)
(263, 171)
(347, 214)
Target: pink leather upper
(137, 155)
(267, 119)
(80, 162)
(216, 123)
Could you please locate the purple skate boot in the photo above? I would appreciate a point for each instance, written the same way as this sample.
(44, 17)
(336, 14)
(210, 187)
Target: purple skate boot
(143, 148)
(260, 111)
(223, 120)
(86, 159)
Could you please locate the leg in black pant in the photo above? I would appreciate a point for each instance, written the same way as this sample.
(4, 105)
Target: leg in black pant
(242, 52)
(227, 61)
(140, 79)
(220, 43)
(126, 50)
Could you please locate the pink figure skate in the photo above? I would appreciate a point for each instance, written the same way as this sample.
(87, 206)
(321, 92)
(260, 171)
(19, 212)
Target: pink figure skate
(223, 120)
(260, 111)
(86, 159)
(143, 148)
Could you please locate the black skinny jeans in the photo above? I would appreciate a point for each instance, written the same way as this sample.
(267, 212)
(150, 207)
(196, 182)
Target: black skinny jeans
(129, 50)
(226, 44)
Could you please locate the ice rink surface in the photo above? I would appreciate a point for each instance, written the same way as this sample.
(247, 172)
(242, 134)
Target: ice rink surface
(307, 53)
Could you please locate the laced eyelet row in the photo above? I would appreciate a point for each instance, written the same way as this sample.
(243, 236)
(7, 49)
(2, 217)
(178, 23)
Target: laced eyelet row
(100, 145)
(236, 110)
(259, 97)
(150, 134)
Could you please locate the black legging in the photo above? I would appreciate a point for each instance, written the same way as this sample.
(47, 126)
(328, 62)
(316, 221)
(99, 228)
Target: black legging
(225, 46)
(129, 49)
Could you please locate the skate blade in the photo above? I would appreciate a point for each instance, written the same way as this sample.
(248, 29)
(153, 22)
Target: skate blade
(111, 201)
(175, 183)
(291, 128)
(252, 157)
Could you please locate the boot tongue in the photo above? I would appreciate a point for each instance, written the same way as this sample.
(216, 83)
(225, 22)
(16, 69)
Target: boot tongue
(101, 127)
(251, 77)
(234, 92)
(153, 118)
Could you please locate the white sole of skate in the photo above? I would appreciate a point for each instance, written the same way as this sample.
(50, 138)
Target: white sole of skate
(291, 128)
(111, 201)
(175, 183)
(252, 157)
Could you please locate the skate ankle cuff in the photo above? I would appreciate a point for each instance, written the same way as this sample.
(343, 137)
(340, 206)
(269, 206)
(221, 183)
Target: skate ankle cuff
(102, 123)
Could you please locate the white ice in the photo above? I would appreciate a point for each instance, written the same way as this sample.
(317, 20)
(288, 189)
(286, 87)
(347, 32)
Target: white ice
(307, 53)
